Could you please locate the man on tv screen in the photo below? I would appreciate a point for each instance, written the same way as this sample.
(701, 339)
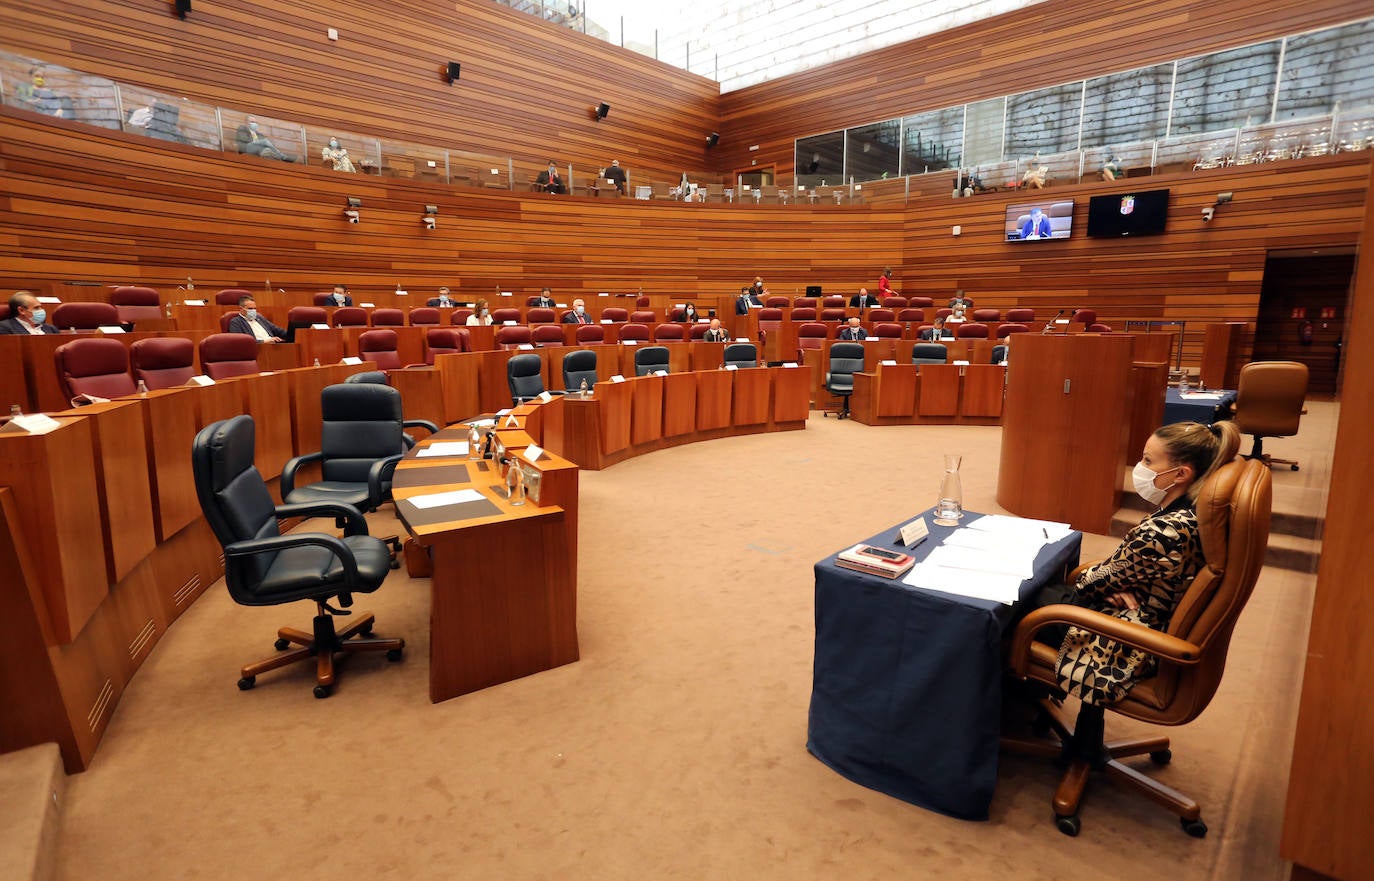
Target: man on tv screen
(1037, 226)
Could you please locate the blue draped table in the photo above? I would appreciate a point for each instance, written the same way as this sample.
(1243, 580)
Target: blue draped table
(1206, 410)
(907, 688)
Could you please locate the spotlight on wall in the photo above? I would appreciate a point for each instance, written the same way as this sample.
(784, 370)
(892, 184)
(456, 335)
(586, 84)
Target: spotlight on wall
(351, 212)
(712, 139)
(601, 110)
(454, 69)
(430, 217)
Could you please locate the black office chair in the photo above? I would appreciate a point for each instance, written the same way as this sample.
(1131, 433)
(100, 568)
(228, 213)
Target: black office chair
(262, 567)
(651, 359)
(579, 367)
(741, 355)
(846, 359)
(999, 354)
(929, 353)
(524, 375)
(376, 377)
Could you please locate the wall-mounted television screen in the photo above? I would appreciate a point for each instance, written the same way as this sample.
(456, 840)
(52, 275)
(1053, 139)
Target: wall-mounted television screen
(1039, 221)
(1128, 214)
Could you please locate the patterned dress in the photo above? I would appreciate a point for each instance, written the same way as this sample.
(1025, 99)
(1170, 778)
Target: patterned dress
(1156, 562)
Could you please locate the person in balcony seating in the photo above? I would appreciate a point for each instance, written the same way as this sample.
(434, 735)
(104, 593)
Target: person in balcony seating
(337, 154)
(250, 141)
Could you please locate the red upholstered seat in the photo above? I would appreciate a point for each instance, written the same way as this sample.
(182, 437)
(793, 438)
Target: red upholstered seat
(445, 341)
(637, 332)
(136, 304)
(810, 336)
(512, 336)
(163, 362)
(887, 331)
(832, 302)
(591, 335)
(895, 302)
(943, 312)
(85, 316)
(669, 333)
(1006, 330)
(424, 316)
(882, 315)
(223, 355)
(972, 330)
(920, 302)
(643, 316)
(304, 316)
(501, 316)
(1099, 327)
(350, 316)
(642, 303)
(615, 313)
(388, 318)
(698, 331)
(224, 321)
(1085, 316)
(4, 311)
(230, 296)
(1021, 315)
(776, 302)
(379, 347)
(911, 314)
(549, 334)
(803, 303)
(94, 366)
(832, 314)
(540, 315)
(804, 313)
(460, 316)
(986, 315)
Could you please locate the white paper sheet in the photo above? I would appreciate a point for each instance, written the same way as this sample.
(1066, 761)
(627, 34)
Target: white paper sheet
(964, 582)
(444, 448)
(439, 500)
(977, 561)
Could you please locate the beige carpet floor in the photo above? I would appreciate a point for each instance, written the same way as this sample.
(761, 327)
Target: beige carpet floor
(676, 747)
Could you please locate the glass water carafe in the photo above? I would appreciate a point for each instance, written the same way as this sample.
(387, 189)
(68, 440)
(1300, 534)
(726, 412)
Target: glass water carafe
(474, 442)
(950, 504)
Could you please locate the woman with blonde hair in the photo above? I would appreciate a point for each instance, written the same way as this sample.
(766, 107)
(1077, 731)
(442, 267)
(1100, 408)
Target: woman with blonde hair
(481, 314)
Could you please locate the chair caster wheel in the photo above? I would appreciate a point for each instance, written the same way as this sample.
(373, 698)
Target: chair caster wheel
(321, 691)
(395, 563)
(393, 654)
(281, 644)
(1161, 757)
(247, 682)
(1070, 826)
(366, 631)
(1293, 467)
(1195, 828)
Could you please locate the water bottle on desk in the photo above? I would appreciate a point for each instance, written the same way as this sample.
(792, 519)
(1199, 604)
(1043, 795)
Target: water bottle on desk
(949, 509)
(1183, 382)
(474, 442)
(142, 388)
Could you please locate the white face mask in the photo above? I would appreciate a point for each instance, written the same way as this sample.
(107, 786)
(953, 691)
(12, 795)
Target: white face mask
(251, 314)
(1144, 481)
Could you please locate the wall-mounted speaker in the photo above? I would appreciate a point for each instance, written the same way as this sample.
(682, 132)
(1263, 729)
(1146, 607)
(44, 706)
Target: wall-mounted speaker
(601, 110)
(712, 139)
(182, 7)
(454, 69)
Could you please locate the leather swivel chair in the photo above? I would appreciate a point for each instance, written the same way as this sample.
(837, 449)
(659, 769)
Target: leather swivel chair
(1020, 315)
(376, 377)
(84, 316)
(810, 336)
(379, 347)
(540, 315)
(881, 313)
(513, 336)
(929, 353)
(134, 304)
(803, 313)
(971, 330)
(740, 355)
(525, 376)
(93, 366)
(1011, 327)
(501, 316)
(833, 313)
(350, 316)
(579, 367)
(615, 314)
(230, 296)
(445, 341)
(163, 362)
(888, 330)
(387, 318)
(670, 333)
(846, 359)
(1084, 316)
(643, 316)
(590, 335)
(223, 355)
(999, 354)
(424, 316)
(637, 332)
(1269, 403)
(262, 567)
(920, 302)
(650, 360)
(544, 335)
(1233, 507)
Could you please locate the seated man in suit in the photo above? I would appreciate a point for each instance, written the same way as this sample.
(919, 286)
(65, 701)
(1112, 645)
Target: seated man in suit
(747, 300)
(545, 299)
(578, 315)
(27, 315)
(863, 299)
(250, 322)
(249, 141)
(715, 333)
(852, 331)
(443, 301)
(616, 175)
(1037, 226)
(550, 181)
(340, 296)
(936, 332)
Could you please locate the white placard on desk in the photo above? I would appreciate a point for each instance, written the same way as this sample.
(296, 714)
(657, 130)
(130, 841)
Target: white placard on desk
(439, 500)
(607, 321)
(915, 532)
(789, 364)
(508, 323)
(743, 339)
(617, 378)
(525, 346)
(732, 367)
(888, 362)
(545, 397)
(628, 342)
(352, 361)
(1061, 321)
(30, 423)
(959, 363)
(193, 302)
(501, 413)
(200, 379)
(319, 327)
(532, 453)
(367, 305)
(110, 328)
(660, 373)
(444, 448)
(603, 293)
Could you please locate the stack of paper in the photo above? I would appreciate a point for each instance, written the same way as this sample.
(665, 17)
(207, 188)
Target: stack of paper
(988, 559)
(439, 500)
(444, 448)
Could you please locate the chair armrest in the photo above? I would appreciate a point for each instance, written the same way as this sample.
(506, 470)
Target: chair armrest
(416, 423)
(1080, 569)
(357, 524)
(336, 547)
(381, 472)
(1156, 642)
(288, 471)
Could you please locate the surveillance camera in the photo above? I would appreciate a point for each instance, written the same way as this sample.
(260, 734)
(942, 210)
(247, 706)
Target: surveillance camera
(429, 221)
(1223, 198)
(1208, 213)
(352, 215)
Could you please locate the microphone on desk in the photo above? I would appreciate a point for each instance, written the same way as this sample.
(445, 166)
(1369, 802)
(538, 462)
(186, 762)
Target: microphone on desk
(1049, 328)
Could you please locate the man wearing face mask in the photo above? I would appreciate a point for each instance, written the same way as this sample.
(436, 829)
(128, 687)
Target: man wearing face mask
(37, 96)
(340, 296)
(27, 315)
(336, 156)
(1147, 575)
(578, 315)
(250, 322)
(550, 181)
(250, 141)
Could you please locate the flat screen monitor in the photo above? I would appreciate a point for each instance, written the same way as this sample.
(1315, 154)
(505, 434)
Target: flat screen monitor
(813, 290)
(1039, 221)
(1128, 214)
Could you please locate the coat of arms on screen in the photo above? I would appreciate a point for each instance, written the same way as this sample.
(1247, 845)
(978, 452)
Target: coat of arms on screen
(1127, 204)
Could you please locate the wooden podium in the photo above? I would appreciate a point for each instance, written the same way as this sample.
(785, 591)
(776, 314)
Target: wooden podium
(1064, 428)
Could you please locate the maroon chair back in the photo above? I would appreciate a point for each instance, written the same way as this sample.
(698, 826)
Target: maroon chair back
(1099, 327)
(698, 331)
(304, 316)
(832, 301)
(85, 316)
(350, 316)
(163, 362)
(224, 321)
(1006, 330)
(591, 335)
(887, 331)
(668, 333)
(424, 316)
(895, 302)
(615, 313)
(920, 302)
(776, 302)
(1021, 315)
(883, 314)
(548, 334)
(642, 303)
(460, 316)
(540, 315)
(832, 314)
(911, 315)
(230, 296)
(4, 311)
(445, 341)
(501, 316)
(136, 304)
(530, 301)
(804, 313)
(323, 298)
(643, 316)
(94, 366)
(804, 303)
(1085, 316)
(943, 312)
(223, 355)
(388, 318)
(986, 315)
(810, 336)
(379, 347)
(637, 332)
(971, 330)
(512, 336)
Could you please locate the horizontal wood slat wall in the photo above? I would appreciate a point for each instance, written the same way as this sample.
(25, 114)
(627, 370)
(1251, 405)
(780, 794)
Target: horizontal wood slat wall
(1043, 45)
(527, 86)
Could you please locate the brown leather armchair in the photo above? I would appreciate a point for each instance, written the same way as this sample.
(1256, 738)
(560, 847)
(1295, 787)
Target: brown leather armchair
(1233, 520)
(1269, 403)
